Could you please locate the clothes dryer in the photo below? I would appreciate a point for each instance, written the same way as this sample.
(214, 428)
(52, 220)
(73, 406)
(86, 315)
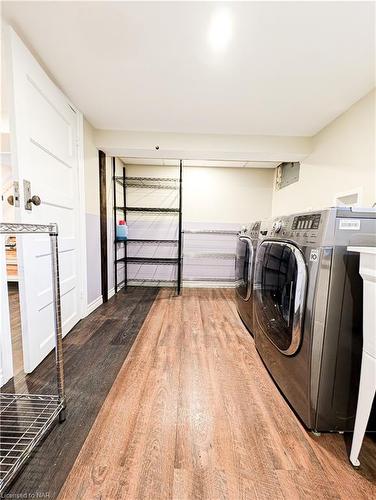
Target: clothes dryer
(308, 311)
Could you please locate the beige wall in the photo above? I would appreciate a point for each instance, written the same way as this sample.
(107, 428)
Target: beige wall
(219, 195)
(342, 160)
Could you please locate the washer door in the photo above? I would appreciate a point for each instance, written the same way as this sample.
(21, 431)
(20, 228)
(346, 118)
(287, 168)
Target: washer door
(280, 286)
(243, 268)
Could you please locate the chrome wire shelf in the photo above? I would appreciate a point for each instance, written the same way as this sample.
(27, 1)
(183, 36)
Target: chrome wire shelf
(25, 419)
(149, 182)
(146, 281)
(210, 231)
(210, 255)
(142, 241)
(224, 279)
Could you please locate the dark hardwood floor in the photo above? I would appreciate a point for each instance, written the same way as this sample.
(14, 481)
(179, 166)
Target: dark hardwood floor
(94, 352)
(193, 414)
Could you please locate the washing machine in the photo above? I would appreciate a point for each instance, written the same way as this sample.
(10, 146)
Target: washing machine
(308, 311)
(244, 271)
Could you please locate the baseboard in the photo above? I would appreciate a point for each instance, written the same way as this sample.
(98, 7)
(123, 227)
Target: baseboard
(208, 284)
(111, 291)
(93, 305)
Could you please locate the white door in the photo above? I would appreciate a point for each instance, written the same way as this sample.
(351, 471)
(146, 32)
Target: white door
(44, 142)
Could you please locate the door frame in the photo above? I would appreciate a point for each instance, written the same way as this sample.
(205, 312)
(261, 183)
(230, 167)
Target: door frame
(5, 338)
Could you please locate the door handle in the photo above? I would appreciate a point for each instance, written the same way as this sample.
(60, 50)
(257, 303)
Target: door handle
(30, 200)
(10, 200)
(35, 200)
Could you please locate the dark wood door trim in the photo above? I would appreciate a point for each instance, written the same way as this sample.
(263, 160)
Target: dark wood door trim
(103, 224)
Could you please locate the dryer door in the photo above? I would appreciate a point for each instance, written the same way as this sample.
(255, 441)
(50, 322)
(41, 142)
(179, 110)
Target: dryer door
(280, 285)
(243, 267)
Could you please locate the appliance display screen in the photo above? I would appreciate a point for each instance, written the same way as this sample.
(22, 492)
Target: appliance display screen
(310, 221)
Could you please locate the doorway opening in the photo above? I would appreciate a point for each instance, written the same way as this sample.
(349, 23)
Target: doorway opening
(12, 268)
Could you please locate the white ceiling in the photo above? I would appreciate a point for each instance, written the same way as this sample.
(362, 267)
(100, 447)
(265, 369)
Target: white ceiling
(200, 163)
(289, 68)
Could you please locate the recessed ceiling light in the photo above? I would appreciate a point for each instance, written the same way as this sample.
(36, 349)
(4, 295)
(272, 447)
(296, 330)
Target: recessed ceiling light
(220, 29)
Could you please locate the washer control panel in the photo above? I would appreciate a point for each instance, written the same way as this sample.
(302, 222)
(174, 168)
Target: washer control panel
(309, 221)
(302, 228)
(252, 230)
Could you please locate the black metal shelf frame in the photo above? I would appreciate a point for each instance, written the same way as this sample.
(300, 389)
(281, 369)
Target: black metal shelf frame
(148, 183)
(153, 210)
(149, 260)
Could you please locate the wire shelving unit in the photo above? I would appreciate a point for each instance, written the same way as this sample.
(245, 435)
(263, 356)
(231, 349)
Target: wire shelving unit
(208, 259)
(27, 418)
(149, 183)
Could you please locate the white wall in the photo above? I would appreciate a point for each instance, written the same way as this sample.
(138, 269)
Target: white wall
(203, 146)
(342, 160)
(219, 195)
(91, 169)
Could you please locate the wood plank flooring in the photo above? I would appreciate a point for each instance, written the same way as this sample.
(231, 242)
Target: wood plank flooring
(94, 352)
(193, 414)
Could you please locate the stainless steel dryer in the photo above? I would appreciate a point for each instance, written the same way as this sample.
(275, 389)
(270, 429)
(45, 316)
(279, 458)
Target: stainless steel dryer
(244, 272)
(308, 311)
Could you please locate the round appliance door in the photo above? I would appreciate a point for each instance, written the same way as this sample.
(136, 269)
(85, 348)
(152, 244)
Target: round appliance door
(243, 267)
(280, 286)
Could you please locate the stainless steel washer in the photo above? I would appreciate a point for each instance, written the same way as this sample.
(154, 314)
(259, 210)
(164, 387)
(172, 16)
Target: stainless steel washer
(308, 311)
(244, 271)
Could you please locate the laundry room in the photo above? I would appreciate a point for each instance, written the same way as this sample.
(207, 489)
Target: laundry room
(188, 250)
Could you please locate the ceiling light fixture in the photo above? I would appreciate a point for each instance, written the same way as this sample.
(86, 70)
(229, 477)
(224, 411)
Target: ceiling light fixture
(220, 29)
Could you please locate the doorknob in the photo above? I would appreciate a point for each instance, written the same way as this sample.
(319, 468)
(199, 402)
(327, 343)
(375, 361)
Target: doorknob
(35, 200)
(10, 200)
(30, 200)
